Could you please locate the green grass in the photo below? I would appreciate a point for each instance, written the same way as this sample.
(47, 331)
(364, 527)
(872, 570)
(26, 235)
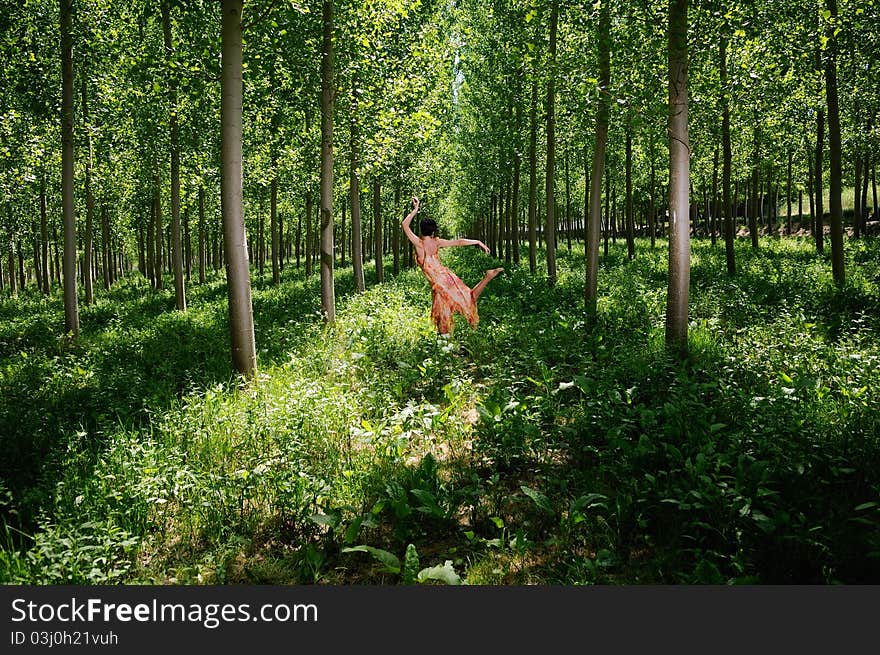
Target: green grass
(535, 449)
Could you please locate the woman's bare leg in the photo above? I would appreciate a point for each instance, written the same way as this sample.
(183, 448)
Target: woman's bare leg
(477, 290)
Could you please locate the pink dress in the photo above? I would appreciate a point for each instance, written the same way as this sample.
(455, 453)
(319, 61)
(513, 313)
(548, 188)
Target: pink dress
(450, 295)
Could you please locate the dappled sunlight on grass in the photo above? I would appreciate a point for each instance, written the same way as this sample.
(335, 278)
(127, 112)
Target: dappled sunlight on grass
(533, 449)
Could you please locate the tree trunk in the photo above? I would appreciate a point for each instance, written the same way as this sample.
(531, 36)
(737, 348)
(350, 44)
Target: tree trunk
(35, 242)
(788, 190)
(377, 228)
(630, 236)
(354, 196)
(187, 244)
(836, 179)
(515, 201)
(22, 278)
(533, 176)
(44, 238)
(863, 217)
(203, 254)
(874, 191)
(817, 178)
(10, 262)
(309, 238)
(857, 198)
(395, 230)
(679, 175)
(550, 193)
(106, 263)
(343, 244)
(328, 295)
(652, 211)
(151, 248)
(753, 214)
(594, 220)
(159, 236)
(505, 221)
(71, 307)
(176, 245)
(238, 282)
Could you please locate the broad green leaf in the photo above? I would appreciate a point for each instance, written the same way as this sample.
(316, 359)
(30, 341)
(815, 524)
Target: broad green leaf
(389, 560)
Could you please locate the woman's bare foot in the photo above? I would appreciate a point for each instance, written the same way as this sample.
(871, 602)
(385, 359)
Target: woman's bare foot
(477, 290)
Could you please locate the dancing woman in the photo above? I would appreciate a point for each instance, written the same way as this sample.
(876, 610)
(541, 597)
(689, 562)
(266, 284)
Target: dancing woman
(449, 292)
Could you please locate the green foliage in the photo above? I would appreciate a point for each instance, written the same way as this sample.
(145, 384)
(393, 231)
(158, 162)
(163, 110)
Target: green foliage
(530, 450)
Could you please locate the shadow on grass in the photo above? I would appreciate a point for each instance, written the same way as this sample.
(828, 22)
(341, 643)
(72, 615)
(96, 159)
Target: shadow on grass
(134, 359)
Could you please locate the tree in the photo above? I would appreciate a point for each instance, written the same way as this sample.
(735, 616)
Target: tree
(328, 298)
(594, 221)
(836, 178)
(71, 308)
(679, 178)
(238, 281)
(176, 247)
(726, 161)
(550, 194)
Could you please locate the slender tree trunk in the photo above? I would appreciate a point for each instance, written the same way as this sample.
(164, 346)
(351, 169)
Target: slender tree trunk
(354, 195)
(343, 242)
(203, 254)
(811, 189)
(261, 233)
(238, 282)
(35, 242)
(505, 221)
(630, 236)
(22, 278)
(151, 248)
(395, 230)
(328, 294)
(187, 243)
(10, 263)
(515, 200)
(105, 247)
(652, 211)
(679, 175)
(817, 178)
(44, 238)
(71, 307)
(836, 179)
(309, 237)
(788, 195)
(377, 228)
(273, 228)
(550, 187)
(533, 175)
(594, 220)
(756, 188)
(857, 198)
(863, 217)
(874, 191)
(727, 164)
(159, 238)
(176, 245)
(298, 244)
(607, 231)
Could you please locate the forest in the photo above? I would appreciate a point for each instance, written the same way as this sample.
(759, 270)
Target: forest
(218, 362)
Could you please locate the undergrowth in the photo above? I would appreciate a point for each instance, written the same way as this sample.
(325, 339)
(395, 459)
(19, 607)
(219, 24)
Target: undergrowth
(539, 448)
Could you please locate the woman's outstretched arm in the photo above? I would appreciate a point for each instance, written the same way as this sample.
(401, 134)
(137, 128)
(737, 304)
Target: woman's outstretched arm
(446, 243)
(407, 230)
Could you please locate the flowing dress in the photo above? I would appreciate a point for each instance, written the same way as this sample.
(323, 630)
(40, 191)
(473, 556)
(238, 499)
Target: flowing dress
(450, 294)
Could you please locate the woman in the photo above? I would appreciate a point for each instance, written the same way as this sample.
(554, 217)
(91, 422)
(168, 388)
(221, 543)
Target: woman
(449, 292)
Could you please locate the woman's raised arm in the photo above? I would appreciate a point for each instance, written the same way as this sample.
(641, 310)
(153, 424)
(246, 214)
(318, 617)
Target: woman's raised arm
(446, 243)
(406, 223)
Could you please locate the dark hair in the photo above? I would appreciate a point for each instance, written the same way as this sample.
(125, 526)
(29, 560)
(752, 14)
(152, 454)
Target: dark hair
(428, 227)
